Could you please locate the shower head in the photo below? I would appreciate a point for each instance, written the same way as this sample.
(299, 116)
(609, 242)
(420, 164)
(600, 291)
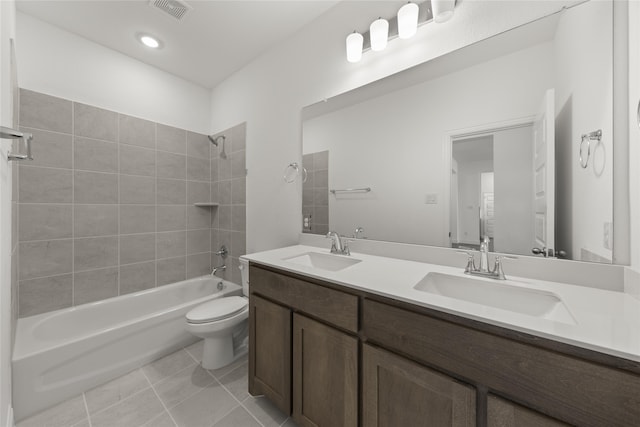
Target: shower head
(214, 141)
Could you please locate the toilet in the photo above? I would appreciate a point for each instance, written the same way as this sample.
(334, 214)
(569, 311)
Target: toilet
(223, 323)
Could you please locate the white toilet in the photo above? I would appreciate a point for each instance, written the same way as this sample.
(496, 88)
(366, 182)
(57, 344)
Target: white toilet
(223, 324)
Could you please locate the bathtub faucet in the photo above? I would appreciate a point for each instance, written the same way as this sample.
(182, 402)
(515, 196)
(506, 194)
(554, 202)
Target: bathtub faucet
(218, 268)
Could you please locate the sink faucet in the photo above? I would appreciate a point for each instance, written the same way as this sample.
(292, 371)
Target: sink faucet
(484, 255)
(337, 246)
(218, 268)
(496, 273)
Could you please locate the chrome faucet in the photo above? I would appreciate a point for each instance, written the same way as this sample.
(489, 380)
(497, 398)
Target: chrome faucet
(484, 255)
(496, 273)
(222, 267)
(337, 245)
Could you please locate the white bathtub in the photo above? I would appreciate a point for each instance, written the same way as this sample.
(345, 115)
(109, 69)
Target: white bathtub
(60, 354)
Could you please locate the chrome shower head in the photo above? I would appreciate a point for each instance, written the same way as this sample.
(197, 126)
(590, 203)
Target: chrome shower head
(213, 140)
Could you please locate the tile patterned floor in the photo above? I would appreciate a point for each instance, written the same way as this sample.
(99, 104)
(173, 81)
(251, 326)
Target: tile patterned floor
(169, 392)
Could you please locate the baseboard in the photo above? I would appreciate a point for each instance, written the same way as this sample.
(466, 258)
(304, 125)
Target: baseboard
(10, 420)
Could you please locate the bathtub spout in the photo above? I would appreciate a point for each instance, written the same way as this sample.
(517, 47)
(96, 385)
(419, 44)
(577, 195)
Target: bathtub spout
(216, 269)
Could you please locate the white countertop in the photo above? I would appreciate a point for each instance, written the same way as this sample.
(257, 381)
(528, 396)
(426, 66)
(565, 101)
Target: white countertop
(606, 321)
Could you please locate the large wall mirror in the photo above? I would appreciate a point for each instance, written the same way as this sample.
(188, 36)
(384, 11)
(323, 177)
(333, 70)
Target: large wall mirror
(509, 138)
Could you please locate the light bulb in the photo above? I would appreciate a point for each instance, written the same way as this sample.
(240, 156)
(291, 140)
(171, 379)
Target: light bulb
(379, 33)
(354, 47)
(442, 10)
(408, 20)
(149, 41)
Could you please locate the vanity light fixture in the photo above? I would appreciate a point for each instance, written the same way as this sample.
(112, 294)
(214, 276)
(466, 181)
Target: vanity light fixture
(408, 20)
(442, 10)
(404, 26)
(379, 32)
(149, 41)
(354, 47)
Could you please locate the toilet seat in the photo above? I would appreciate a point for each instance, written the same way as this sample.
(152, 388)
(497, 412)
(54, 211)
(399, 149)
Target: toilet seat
(217, 309)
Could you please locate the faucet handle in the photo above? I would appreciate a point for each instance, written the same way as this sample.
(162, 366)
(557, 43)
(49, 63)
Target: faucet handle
(471, 262)
(497, 268)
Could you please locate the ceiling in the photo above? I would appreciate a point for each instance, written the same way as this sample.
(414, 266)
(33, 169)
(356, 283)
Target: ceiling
(212, 41)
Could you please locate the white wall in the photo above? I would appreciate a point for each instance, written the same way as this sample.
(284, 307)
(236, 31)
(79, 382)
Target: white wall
(397, 145)
(469, 198)
(582, 107)
(269, 93)
(634, 133)
(59, 63)
(7, 31)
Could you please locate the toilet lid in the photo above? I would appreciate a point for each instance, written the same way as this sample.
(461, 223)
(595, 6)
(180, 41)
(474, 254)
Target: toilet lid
(217, 309)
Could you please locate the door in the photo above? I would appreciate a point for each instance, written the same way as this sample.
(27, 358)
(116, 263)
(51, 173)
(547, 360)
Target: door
(502, 413)
(270, 352)
(544, 175)
(399, 392)
(325, 375)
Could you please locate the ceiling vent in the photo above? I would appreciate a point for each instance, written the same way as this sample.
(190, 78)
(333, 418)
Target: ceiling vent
(175, 8)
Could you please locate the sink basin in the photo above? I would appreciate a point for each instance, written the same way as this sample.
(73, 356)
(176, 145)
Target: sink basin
(323, 261)
(531, 302)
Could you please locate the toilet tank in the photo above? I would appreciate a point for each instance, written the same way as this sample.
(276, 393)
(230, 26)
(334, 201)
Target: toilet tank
(244, 271)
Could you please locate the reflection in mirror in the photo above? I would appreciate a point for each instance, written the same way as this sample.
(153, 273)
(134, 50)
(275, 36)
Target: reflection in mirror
(481, 141)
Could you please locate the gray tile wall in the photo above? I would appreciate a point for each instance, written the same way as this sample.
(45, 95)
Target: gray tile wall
(228, 187)
(106, 208)
(315, 192)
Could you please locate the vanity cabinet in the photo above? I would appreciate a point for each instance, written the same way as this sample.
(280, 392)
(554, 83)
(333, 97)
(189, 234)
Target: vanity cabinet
(334, 356)
(306, 334)
(399, 392)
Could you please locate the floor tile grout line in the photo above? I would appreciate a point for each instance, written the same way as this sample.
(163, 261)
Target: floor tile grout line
(236, 399)
(86, 408)
(249, 411)
(163, 405)
(126, 398)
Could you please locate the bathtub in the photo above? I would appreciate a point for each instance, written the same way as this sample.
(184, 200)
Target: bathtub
(60, 354)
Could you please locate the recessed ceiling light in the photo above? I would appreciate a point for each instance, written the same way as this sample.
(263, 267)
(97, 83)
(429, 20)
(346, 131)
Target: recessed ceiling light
(149, 41)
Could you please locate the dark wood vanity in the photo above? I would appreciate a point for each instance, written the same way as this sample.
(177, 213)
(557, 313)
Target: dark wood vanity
(333, 356)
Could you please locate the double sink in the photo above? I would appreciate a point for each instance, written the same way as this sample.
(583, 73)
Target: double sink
(509, 295)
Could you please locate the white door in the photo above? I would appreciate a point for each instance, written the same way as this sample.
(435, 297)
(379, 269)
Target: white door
(543, 172)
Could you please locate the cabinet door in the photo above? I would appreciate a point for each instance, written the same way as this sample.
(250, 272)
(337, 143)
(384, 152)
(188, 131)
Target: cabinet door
(398, 392)
(502, 413)
(325, 375)
(270, 352)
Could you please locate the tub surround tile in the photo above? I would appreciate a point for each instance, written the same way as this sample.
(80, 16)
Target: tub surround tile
(225, 190)
(132, 411)
(94, 122)
(44, 185)
(171, 244)
(224, 169)
(137, 219)
(115, 391)
(224, 217)
(171, 191)
(95, 285)
(197, 410)
(137, 190)
(137, 160)
(52, 149)
(95, 252)
(171, 218)
(198, 241)
(198, 145)
(238, 135)
(171, 165)
(198, 265)
(95, 155)
(137, 131)
(46, 112)
(184, 384)
(198, 218)
(45, 294)
(239, 191)
(45, 258)
(238, 165)
(215, 169)
(95, 187)
(137, 277)
(95, 220)
(171, 270)
(238, 218)
(239, 417)
(137, 248)
(167, 366)
(44, 221)
(238, 244)
(321, 160)
(198, 192)
(198, 169)
(65, 414)
(171, 139)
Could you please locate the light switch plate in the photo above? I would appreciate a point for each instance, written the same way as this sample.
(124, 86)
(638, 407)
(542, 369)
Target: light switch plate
(431, 199)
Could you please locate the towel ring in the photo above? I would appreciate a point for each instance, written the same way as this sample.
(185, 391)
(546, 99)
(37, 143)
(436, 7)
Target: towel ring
(588, 137)
(292, 171)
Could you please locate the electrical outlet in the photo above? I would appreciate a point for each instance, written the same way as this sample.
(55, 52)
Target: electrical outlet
(431, 199)
(306, 223)
(608, 235)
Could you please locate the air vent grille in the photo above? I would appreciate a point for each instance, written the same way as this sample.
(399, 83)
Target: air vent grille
(175, 8)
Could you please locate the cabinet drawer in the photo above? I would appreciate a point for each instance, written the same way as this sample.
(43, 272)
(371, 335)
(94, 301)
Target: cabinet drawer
(330, 305)
(561, 386)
